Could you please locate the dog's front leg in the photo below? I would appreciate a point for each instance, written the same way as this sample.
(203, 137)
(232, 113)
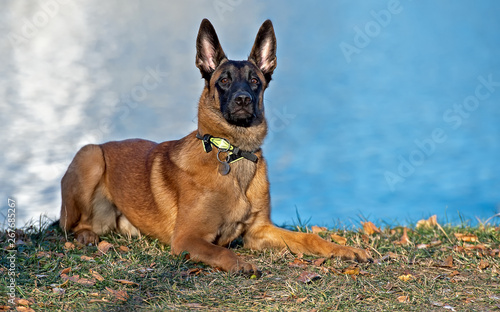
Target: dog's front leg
(201, 250)
(269, 236)
(263, 234)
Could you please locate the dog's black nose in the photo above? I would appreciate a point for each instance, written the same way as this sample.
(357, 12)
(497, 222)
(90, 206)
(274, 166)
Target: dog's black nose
(243, 99)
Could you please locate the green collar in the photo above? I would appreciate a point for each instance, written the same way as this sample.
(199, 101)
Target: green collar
(223, 146)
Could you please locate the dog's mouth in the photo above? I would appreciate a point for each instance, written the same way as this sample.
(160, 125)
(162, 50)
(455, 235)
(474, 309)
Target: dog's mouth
(242, 117)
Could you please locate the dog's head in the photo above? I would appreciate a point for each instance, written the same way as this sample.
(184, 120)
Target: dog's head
(234, 90)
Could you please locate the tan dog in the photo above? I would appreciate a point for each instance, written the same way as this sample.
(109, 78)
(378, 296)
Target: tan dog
(203, 191)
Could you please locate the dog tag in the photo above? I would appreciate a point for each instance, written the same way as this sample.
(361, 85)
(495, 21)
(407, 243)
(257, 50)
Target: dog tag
(224, 168)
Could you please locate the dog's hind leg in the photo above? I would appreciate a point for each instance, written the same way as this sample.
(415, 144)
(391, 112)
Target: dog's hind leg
(78, 187)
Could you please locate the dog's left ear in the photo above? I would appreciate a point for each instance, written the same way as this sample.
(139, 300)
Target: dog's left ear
(264, 50)
(209, 53)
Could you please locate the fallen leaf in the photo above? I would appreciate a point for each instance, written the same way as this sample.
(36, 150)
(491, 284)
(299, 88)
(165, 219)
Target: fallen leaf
(300, 300)
(406, 277)
(104, 246)
(123, 248)
(454, 273)
(403, 299)
(365, 239)
(338, 239)
(118, 294)
(73, 278)
(59, 291)
(370, 228)
(466, 237)
(422, 246)
(448, 263)
(86, 281)
(319, 261)
(24, 309)
(405, 240)
(86, 258)
(351, 270)
(427, 224)
(69, 246)
(42, 254)
(308, 277)
(298, 263)
(64, 271)
(483, 264)
(126, 282)
(23, 302)
(318, 229)
(96, 275)
(194, 305)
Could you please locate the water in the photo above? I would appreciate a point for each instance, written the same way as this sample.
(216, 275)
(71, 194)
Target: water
(377, 109)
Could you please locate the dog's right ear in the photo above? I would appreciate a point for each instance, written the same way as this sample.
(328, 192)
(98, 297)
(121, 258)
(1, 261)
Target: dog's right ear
(209, 53)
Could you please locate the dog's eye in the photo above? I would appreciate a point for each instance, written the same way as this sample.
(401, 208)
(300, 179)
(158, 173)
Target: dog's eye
(254, 81)
(224, 80)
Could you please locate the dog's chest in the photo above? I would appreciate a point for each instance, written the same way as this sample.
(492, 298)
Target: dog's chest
(239, 207)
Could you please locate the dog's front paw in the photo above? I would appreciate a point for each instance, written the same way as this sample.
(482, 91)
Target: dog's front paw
(246, 268)
(87, 237)
(351, 253)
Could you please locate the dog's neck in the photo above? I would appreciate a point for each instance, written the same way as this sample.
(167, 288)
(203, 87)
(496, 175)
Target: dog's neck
(246, 138)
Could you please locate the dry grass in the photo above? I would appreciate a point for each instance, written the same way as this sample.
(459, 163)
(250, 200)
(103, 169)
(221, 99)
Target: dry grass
(449, 272)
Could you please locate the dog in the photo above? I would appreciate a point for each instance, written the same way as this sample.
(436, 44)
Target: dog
(201, 192)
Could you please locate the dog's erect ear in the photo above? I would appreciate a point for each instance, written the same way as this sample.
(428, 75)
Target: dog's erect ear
(264, 50)
(209, 53)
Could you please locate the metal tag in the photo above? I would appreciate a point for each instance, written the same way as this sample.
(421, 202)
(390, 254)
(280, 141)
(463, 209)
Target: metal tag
(224, 168)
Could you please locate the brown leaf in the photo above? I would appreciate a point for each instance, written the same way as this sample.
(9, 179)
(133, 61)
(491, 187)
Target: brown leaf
(403, 299)
(123, 248)
(42, 254)
(126, 282)
(69, 246)
(428, 224)
(483, 264)
(300, 300)
(370, 228)
(118, 294)
(86, 281)
(466, 237)
(298, 263)
(86, 258)
(23, 302)
(96, 275)
(351, 270)
(448, 263)
(59, 291)
(318, 229)
(319, 261)
(104, 246)
(308, 277)
(64, 271)
(73, 278)
(454, 273)
(339, 239)
(405, 240)
(422, 246)
(24, 309)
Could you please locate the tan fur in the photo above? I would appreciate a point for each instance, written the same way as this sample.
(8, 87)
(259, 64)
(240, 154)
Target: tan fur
(173, 191)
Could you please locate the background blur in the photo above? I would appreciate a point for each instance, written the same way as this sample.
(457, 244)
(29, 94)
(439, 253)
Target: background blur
(387, 110)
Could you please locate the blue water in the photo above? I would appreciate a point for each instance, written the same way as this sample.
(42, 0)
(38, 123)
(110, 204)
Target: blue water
(379, 110)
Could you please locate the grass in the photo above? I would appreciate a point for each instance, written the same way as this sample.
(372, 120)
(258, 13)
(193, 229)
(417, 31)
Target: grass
(437, 268)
